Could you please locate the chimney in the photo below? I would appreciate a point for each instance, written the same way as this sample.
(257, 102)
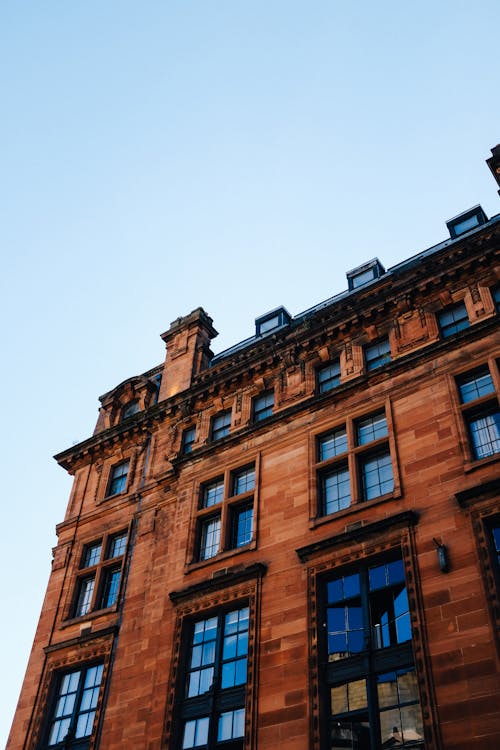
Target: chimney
(494, 164)
(188, 351)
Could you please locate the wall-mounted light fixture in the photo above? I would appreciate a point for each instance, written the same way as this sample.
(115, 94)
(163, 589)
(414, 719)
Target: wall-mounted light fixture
(442, 554)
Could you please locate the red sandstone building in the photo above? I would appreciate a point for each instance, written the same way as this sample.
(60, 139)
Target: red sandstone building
(294, 543)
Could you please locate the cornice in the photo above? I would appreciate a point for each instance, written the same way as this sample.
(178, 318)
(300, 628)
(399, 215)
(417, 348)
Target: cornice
(479, 492)
(220, 580)
(144, 422)
(358, 534)
(86, 635)
(305, 333)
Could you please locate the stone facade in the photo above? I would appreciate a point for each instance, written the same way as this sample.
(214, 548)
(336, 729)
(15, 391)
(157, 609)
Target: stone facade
(258, 482)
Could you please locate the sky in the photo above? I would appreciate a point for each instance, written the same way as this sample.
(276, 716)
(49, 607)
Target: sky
(169, 154)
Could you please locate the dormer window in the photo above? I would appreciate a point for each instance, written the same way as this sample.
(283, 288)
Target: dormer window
(466, 221)
(272, 320)
(129, 409)
(364, 274)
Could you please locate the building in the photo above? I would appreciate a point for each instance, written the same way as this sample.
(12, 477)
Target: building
(294, 543)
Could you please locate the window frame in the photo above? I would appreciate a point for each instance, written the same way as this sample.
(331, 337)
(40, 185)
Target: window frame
(472, 409)
(130, 409)
(495, 296)
(349, 456)
(215, 700)
(99, 573)
(223, 594)
(446, 330)
(115, 477)
(373, 660)
(219, 432)
(217, 498)
(382, 357)
(57, 678)
(261, 413)
(328, 384)
(188, 440)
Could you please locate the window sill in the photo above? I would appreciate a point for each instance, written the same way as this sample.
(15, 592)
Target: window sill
(472, 465)
(82, 619)
(354, 509)
(227, 554)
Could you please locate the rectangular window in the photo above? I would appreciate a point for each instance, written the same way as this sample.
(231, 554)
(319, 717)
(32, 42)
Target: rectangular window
(209, 537)
(73, 711)
(496, 297)
(225, 515)
(110, 587)
(262, 406)
(241, 526)
(212, 706)
(453, 319)
(98, 580)
(188, 438)
(376, 474)
(370, 691)
(354, 463)
(377, 354)
(117, 544)
(335, 490)
(118, 479)
(480, 411)
(328, 377)
(221, 424)
(92, 555)
(495, 536)
(84, 597)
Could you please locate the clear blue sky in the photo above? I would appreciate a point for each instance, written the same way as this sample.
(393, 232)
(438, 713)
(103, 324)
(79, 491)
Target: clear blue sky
(160, 155)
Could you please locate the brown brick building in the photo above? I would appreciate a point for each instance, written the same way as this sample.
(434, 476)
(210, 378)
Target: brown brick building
(294, 543)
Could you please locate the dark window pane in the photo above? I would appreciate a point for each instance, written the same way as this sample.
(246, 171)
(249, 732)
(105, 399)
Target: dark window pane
(188, 438)
(118, 479)
(351, 585)
(328, 377)
(485, 434)
(395, 572)
(377, 354)
(475, 385)
(263, 406)
(350, 734)
(130, 409)
(242, 526)
(377, 618)
(496, 540)
(345, 631)
(453, 319)
(110, 588)
(496, 297)
(221, 425)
